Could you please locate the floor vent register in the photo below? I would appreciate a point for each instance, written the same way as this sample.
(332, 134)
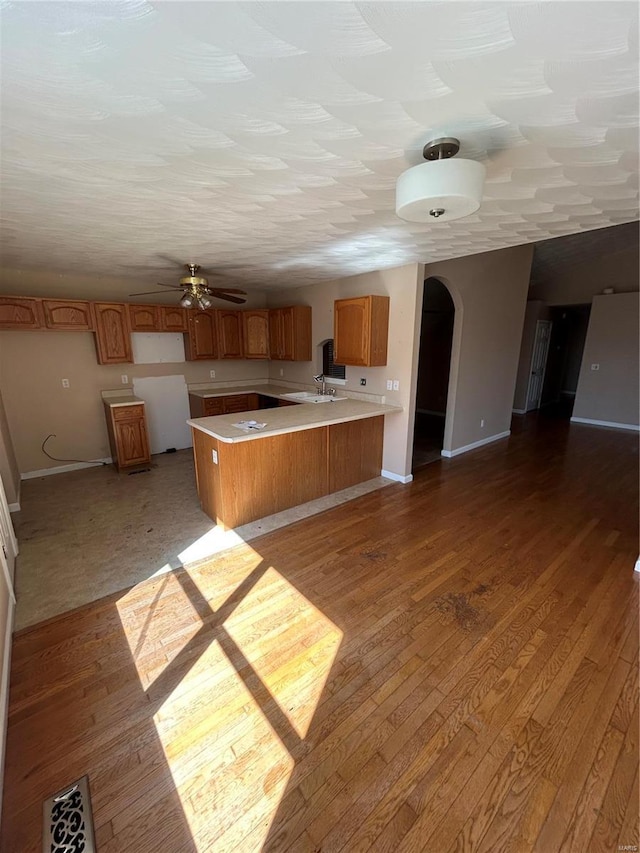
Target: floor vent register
(67, 820)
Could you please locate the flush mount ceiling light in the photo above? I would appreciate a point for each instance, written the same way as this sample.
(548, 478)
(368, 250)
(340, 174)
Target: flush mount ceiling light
(443, 188)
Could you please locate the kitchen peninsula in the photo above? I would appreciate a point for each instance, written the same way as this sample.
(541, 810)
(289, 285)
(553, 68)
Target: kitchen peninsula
(303, 452)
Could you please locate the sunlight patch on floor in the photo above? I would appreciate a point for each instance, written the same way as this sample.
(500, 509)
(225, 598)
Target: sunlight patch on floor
(156, 632)
(289, 643)
(244, 658)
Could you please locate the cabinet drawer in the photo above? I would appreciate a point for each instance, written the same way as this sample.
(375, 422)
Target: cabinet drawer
(237, 403)
(127, 413)
(212, 406)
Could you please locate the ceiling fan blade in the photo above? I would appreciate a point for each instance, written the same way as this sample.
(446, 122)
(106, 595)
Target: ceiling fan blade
(150, 292)
(171, 286)
(220, 295)
(229, 290)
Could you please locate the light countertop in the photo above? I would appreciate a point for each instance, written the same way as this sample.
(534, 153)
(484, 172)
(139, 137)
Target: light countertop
(268, 390)
(288, 418)
(123, 400)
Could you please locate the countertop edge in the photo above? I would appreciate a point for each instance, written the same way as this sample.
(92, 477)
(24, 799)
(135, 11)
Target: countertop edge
(382, 409)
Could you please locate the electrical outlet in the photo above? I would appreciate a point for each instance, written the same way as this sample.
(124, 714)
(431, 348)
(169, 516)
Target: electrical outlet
(214, 456)
(65, 383)
(281, 371)
(212, 374)
(389, 384)
(396, 385)
(595, 367)
(481, 423)
(124, 379)
(363, 381)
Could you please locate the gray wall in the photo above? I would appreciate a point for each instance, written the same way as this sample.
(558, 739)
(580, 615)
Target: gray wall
(611, 393)
(490, 295)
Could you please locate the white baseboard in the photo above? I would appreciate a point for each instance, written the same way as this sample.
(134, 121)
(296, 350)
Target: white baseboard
(519, 411)
(62, 469)
(451, 453)
(635, 427)
(4, 684)
(398, 478)
(14, 507)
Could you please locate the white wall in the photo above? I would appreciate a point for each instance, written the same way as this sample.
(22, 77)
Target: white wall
(404, 287)
(610, 394)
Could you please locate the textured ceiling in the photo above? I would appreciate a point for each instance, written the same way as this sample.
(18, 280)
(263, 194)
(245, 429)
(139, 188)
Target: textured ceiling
(265, 139)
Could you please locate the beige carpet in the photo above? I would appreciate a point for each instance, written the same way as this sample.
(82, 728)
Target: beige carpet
(89, 533)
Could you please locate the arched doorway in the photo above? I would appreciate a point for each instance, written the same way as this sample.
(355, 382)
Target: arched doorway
(434, 362)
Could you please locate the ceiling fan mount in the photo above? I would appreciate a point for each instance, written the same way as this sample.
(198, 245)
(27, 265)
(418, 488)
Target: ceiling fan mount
(198, 293)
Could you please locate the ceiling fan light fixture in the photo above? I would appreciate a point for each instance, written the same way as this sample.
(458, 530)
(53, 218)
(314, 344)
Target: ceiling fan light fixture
(443, 188)
(205, 301)
(187, 301)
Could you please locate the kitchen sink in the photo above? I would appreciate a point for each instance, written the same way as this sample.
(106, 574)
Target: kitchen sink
(310, 397)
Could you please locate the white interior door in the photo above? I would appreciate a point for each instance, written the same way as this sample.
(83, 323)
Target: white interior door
(538, 364)
(8, 541)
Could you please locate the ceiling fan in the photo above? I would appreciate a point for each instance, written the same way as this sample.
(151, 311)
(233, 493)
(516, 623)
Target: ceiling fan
(197, 291)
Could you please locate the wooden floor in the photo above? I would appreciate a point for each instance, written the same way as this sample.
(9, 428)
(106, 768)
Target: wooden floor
(445, 666)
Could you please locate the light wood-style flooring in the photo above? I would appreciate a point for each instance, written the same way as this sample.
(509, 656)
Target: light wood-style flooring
(445, 666)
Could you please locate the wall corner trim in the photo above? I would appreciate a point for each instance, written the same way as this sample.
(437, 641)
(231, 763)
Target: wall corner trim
(398, 478)
(449, 454)
(62, 469)
(613, 424)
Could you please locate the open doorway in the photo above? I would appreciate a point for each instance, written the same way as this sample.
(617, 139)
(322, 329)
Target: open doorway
(434, 361)
(568, 335)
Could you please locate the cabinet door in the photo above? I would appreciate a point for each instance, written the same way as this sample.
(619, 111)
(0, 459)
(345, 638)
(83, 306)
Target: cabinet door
(67, 316)
(351, 325)
(287, 334)
(113, 339)
(131, 442)
(229, 334)
(173, 319)
(275, 333)
(213, 406)
(16, 313)
(144, 318)
(201, 340)
(255, 334)
(361, 330)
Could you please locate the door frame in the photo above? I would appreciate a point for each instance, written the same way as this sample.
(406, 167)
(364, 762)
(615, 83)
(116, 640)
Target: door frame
(540, 324)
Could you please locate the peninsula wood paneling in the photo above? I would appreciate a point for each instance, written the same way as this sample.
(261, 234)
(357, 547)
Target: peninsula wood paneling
(355, 452)
(253, 479)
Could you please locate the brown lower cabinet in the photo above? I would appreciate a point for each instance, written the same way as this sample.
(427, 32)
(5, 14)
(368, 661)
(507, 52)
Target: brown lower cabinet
(206, 407)
(256, 478)
(127, 428)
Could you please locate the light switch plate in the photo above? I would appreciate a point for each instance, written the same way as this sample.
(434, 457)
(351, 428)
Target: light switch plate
(212, 374)
(65, 383)
(595, 367)
(214, 456)
(389, 384)
(396, 385)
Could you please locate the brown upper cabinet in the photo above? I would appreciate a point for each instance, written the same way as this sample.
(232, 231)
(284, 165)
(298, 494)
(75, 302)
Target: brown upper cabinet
(200, 341)
(229, 329)
(290, 333)
(144, 318)
(361, 330)
(67, 316)
(173, 318)
(113, 332)
(255, 333)
(17, 313)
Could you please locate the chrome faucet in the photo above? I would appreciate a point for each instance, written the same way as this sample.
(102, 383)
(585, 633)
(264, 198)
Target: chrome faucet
(320, 379)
